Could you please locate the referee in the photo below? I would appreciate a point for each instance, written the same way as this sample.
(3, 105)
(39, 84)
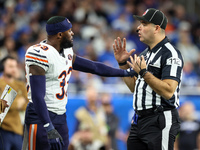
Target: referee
(156, 84)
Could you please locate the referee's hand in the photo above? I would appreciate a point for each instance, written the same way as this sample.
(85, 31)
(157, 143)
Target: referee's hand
(138, 63)
(120, 52)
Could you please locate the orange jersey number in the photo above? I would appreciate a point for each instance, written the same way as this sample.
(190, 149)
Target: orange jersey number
(41, 46)
(63, 83)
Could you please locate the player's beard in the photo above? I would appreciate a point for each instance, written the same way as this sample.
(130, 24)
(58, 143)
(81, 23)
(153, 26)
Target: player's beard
(66, 43)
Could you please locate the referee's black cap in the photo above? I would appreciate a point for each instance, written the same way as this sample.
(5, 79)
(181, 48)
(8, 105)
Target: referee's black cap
(154, 16)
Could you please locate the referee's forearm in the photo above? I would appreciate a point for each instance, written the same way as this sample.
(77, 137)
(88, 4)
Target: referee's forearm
(159, 86)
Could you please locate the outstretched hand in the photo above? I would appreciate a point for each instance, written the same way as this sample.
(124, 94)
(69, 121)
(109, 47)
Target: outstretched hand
(138, 63)
(120, 52)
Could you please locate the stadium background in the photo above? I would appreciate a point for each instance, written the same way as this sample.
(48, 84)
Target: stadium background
(96, 23)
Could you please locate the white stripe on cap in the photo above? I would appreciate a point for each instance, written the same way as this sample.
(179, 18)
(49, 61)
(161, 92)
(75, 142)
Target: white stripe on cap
(153, 15)
(162, 19)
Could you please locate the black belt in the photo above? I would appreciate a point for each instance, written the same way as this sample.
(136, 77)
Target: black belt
(151, 111)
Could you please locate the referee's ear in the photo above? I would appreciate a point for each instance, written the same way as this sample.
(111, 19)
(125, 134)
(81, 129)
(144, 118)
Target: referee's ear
(157, 28)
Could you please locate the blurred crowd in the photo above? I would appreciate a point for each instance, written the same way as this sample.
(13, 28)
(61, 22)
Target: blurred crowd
(189, 135)
(97, 126)
(96, 23)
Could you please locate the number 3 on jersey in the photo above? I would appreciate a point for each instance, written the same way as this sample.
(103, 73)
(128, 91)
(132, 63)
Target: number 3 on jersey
(62, 85)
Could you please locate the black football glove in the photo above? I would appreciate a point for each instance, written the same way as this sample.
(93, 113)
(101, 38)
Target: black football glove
(54, 138)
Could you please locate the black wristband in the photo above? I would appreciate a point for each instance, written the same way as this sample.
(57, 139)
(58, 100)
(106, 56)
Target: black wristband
(122, 64)
(143, 72)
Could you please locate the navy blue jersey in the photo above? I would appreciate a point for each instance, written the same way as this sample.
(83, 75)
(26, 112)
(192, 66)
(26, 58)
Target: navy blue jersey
(164, 61)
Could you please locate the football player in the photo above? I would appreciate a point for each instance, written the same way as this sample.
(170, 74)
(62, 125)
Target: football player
(48, 68)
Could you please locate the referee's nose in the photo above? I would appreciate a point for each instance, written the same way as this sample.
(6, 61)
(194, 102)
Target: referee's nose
(138, 28)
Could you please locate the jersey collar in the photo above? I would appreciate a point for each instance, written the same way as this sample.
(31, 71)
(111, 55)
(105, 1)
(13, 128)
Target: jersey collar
(160, 44)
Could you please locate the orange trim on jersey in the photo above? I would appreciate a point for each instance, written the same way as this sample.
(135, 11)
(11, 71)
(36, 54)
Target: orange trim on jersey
(32, 137)
(37, 58)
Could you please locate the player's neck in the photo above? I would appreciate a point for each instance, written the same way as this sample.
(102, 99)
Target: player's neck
(54, 44)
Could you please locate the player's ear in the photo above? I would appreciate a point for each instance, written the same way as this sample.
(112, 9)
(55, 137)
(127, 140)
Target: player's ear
(59, 35)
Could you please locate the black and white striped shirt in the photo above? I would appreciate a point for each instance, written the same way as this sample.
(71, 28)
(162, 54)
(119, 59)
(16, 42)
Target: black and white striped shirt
(164, 61)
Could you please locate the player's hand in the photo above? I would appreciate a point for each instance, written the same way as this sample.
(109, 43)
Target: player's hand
(3, 105)
(120, 52)
(138, 63)
(54, 138)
